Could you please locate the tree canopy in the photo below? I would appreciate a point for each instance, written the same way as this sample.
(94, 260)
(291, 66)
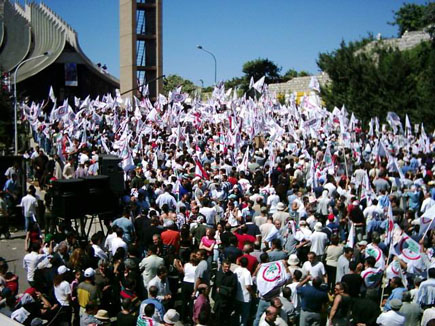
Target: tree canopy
(384, 79)
(174, 81)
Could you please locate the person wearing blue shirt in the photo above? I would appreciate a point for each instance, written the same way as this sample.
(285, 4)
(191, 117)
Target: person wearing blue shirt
(396, 293)
(413, 199)
(312, 299)
(152, 298)
(126, 225)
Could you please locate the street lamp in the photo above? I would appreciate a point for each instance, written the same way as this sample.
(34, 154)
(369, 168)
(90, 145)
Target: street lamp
(46, 54)
(214, 58)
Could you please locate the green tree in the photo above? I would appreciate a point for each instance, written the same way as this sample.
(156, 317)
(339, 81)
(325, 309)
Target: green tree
(262, 67)
(410, 17)
(289, 75)
(429, 20)
(174, 81)
(371, 83)
(303, 73)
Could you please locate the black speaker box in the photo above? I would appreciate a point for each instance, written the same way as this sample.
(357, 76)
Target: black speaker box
(109, 165)
(68, 198)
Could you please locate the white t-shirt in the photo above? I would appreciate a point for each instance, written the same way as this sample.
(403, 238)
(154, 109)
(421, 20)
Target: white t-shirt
(61, 293)
(295, 295)
(318, 270)
(390, 318)
(243, 279)
(210, 214)
(30, 261)
(109, 239)
(189, 273)
(318, 242)
(117, 243)
(29, 204)
(272, 201)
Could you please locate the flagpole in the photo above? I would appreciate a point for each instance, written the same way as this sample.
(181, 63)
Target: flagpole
(383, 272)
(345, 163)
(427, 230)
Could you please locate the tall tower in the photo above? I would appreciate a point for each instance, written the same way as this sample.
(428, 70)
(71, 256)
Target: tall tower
(141, 48)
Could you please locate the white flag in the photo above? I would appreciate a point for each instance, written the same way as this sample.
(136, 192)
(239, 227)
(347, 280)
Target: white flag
(51, 95)
(259, 84)
(314, 84)
(270, 276)
(408, 126)
(251, 82)
(244, 165)
(351, 237)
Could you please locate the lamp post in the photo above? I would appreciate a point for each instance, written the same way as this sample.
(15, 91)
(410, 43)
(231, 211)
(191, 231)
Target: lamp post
(214, 58)
(15, 95)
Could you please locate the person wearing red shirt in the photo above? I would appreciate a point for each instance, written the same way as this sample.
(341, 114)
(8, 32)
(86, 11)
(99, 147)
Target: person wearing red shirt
(171, 237)
(252, 261)
(243, 237)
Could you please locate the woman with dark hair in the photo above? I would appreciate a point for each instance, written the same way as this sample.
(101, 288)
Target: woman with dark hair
(340, 311)
(188, 270)
(208, 242)
(33, 235)
(185, 243)
(62, 292)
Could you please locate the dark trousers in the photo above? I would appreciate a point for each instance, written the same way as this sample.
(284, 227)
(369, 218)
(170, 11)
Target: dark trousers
(186, 306)
(331, 271)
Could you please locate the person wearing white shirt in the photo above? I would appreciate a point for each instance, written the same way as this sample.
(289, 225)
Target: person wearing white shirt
(161, 282)
(314, 267)
(166, 198)
(426, 291)
(109, 239)
(118, 242)
(209, 213)
(68, 170)
(428, 315)
(318, 240)
(98, 252)
(372, 210)
(244, 291)
(343, 264)
(31, 261)
(272, 201)
(29, 204)
(428, 202)
(392, 317)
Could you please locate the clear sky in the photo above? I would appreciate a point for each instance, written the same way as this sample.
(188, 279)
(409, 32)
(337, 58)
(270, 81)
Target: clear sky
(289, 32)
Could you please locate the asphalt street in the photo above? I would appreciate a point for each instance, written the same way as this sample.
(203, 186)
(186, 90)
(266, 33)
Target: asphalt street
(13, 251)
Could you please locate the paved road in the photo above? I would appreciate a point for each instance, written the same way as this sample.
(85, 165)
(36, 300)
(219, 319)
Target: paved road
(13, 251)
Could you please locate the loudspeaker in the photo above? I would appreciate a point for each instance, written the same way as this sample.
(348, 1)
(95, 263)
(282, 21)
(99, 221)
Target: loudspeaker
(109, 165)
(68, 198)
(98, 199)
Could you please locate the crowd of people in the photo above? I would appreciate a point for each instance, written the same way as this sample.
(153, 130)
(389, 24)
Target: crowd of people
(236, 211)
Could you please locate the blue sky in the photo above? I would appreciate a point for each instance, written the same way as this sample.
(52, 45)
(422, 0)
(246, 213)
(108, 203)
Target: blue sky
(289, 32)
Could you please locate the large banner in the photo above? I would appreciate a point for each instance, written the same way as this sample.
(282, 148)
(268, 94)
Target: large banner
(71, 74)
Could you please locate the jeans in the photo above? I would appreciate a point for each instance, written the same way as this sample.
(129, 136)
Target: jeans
(262, 306)
(28, 221)
(242, 313)
(309, 318)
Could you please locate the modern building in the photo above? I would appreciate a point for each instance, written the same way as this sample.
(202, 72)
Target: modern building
(33, 30)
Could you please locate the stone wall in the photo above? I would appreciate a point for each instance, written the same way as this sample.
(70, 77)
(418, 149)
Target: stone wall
(298, 84)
